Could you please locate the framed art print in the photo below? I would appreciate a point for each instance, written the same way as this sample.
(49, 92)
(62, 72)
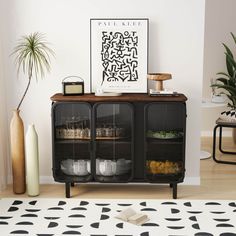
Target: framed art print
(118, 55)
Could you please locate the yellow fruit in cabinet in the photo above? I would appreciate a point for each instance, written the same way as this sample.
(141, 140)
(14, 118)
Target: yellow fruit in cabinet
(168, 164)
(166, 170)
(153, 167)
(158, 163)
(169, 167)
(157, 168)
(152, 164)
(161, 168)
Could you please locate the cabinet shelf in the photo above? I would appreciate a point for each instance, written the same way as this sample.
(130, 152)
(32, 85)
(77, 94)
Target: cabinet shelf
(116, 142)
(61, 177)
(165, 141)
(116, 158)
(86, 141)
(164, 178)
(120, 140)
(111, 138)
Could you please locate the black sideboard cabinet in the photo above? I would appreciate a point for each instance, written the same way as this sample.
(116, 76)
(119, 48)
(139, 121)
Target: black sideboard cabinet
(130, 138)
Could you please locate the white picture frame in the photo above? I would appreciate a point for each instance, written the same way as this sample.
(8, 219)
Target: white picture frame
(119, 55)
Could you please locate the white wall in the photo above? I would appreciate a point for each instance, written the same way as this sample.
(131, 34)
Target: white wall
(4, 163)
(176, 46)
(220, 20)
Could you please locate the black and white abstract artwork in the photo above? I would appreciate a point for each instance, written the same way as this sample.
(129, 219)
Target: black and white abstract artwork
(96, 217)
(119, 55)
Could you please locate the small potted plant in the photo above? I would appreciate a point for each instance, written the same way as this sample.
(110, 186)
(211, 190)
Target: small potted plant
(32, 55)
(227, 84)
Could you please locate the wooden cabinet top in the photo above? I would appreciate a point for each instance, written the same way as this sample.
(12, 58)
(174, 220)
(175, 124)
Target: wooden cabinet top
(58, 97)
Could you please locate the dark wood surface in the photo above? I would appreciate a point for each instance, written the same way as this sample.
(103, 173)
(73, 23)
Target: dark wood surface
(58, 97)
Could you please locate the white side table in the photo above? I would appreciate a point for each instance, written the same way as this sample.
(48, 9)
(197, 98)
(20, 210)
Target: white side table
(206, 103)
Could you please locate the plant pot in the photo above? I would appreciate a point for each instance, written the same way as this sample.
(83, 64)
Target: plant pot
(229, 116)
(17, 152)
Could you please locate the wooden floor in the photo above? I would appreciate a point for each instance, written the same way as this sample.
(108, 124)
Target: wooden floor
(218, 181)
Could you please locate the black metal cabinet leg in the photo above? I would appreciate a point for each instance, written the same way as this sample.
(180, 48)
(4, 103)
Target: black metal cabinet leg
(174, 190)
(67, 190)
(72, 184)
(171, 185)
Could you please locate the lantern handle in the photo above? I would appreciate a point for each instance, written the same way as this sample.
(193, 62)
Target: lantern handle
(72, 76)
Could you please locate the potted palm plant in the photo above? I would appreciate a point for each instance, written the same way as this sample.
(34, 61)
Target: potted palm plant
(226, 82)
(32, 55)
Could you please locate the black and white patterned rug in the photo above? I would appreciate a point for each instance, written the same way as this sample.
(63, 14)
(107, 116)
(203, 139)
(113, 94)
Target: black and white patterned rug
(47, 217)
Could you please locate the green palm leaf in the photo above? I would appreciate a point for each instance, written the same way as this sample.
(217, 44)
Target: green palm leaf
(32, 56)
(230, 63)
(228, 51)
(228, 88)
(223, 80)
(232, 79)
(233, 36)
(225, 74)
(229, 55)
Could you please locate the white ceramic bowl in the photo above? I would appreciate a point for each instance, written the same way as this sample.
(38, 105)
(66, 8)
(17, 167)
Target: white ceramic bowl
(76, 167)
(111, 167)
(107, 167)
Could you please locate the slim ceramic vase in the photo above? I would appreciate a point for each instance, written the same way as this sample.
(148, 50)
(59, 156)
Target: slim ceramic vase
(17, 152)
(32, 161)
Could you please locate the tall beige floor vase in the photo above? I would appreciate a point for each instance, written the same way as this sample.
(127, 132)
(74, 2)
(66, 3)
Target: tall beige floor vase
(17, 153)
(32, 161)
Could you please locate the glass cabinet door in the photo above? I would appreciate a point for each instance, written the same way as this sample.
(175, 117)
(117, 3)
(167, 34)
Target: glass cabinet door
(165, 141)
(72, 142)
(114, 142)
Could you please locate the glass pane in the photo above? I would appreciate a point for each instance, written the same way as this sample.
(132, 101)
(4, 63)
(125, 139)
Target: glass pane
(165, 127)
(72, 151)
(72, 121)
(114, 142)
